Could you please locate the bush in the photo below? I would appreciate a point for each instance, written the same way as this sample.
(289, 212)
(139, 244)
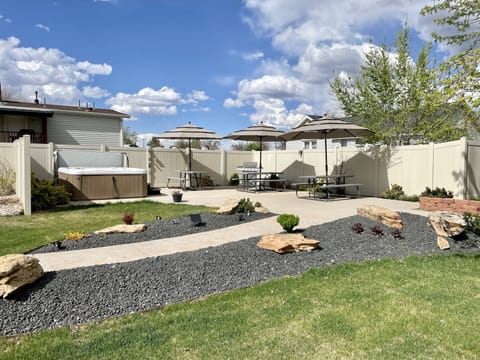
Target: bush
(234, 180)
(46, 195)
(413, 198)
(472, 223)
(245, 205)
(288, 221)
(437, 193)
(394, 193)
(7, 178)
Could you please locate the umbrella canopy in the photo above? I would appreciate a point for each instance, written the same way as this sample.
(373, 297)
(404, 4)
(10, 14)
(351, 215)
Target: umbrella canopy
(188, 132)
(326, 128)
(259, 133)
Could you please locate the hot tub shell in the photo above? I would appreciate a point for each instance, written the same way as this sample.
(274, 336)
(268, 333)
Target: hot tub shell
(103, 183)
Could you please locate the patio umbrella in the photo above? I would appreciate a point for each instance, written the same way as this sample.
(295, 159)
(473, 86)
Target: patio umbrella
(326, 128)
(258, 133)
(188, 132)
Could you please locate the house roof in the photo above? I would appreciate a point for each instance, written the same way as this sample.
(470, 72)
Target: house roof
(49, 109)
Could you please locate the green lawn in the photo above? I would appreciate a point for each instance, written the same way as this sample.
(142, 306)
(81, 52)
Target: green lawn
(20, 234)
(417, 308)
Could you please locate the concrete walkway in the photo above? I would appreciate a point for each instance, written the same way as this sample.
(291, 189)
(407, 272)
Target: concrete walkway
(311, 212)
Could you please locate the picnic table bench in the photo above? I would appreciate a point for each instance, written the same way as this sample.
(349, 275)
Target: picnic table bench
(312, 184)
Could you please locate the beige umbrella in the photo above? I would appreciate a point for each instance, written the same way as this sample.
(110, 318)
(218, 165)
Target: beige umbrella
(188, 132)
(259, 133)
(326, 128)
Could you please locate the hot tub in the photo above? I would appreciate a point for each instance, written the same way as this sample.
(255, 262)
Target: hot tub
(94, 183)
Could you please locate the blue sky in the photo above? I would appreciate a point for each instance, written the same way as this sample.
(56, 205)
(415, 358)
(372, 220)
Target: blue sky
(221, 64)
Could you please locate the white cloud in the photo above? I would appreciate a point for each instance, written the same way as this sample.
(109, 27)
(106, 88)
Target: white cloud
(253, 56)
(56, 76)
(43, 27)
(94, 92)
(318, 40)
(164, 101)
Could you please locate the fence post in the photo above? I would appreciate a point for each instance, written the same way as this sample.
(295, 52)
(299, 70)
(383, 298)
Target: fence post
(223, 174)
(23, 185)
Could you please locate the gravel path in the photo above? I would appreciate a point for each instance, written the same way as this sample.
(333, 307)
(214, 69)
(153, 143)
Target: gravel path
(80, 295)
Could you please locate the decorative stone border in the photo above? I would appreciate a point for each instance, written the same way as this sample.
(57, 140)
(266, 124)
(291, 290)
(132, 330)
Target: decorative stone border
(451, 205)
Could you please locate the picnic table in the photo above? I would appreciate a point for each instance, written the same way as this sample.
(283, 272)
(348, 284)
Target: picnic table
(326, 183)
(258, 181)
(192, 178)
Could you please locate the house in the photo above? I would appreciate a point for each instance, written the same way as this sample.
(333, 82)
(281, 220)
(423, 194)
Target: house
(314, 143)
(60, 124)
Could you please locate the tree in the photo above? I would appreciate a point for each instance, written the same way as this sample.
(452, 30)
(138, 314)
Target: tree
(461, 72)
(211, 144)
(400, 101)
(183, 144)
(154, 142)
(129, 136)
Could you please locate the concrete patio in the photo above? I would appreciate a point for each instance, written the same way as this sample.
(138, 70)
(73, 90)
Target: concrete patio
(311, 212)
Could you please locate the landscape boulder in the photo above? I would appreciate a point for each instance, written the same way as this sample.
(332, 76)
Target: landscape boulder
(229, 207)
(447, 223)
(17, 270)
(122, 228)
(386, 216)
(261, 210)
(286, 243)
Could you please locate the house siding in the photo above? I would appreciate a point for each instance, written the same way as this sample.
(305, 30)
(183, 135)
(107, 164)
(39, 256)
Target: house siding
(84, 130)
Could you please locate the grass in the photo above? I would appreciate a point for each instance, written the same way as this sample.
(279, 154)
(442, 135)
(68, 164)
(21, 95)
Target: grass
(416, 308)
(20, 234)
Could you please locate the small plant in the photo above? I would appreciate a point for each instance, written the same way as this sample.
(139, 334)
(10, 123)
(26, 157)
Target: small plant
(472, 223)
(257, 204)
(206, 181)
(397, 234)
(128, 217)
(377, 231)
(437, 193)
(288, 221)
(394, 193)
(245, 205)
(358, 228)
(74, 236)
(176, 192)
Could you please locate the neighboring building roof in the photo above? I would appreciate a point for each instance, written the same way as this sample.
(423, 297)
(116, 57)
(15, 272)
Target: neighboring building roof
(49, 109)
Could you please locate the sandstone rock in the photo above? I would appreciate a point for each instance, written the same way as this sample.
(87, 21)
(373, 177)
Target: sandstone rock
(283, 243)
(122, 228)
(386, 216)
(17, 270)
(261, 209)
(442, 243)
(229, 207)
(447, 224)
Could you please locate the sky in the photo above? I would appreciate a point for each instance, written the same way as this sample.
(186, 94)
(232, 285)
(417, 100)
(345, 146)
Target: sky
(220, 64)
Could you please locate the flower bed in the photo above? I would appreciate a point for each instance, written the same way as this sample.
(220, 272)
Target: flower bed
(452, 205)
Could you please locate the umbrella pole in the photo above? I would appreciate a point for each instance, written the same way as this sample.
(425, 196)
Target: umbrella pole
(326, 160)
(189, 154)
(260, 175)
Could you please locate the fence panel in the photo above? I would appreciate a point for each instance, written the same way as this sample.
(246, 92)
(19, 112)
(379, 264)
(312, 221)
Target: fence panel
(473, 170)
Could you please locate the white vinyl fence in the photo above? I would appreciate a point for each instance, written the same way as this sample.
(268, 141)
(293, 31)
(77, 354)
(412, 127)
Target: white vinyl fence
(453, 165)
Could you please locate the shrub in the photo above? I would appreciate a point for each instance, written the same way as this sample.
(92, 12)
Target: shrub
(46, 195)
(472, 223)
(394, 193)
(7, 178)
(412, 198)
(234, 180)
(245, 205)
(206, 181)
(288, 221)
(377, 231)
(437, 193)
